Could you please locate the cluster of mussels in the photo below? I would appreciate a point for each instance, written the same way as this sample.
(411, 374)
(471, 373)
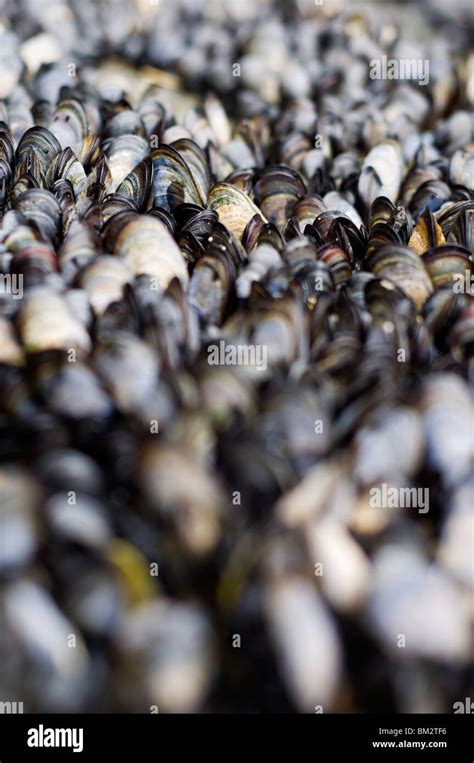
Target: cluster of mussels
(177, 535)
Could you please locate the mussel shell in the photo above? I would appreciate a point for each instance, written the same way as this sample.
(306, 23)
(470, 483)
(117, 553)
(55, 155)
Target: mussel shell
(138, 184)
(426, 234)
(338, 262)
(210, 286)
(193, 506)
(196, 160)
(42, 210)
(68, 469)
(430, 195)
(461, 338)
(311, 663)
(104, 279)
(234, 207)
(276, 192)
(129, 369)
(124, 154)
(405, 269)
(445, 264)
(298, 250)
(19, 499)
(11, 352)
(70, 123)
(258, 232)
(461, 169)
(125, 122)
(381, 173)
(40, 143)
(173, 181)
(46, 323)
(66, 166)
(79, 246)
(147, 248)
(34, 260)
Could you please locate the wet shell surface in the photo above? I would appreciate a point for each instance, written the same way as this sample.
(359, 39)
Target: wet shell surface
(236, 357)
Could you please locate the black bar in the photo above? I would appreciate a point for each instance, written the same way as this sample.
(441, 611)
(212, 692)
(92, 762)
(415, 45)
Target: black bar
(154, 737)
